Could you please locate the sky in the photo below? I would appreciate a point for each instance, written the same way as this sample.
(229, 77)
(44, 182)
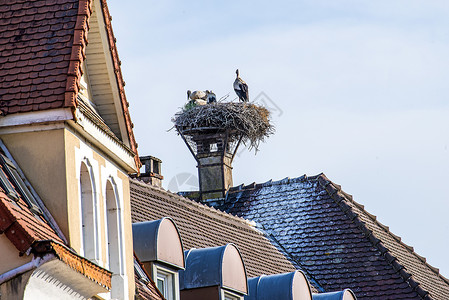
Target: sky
(358, 90)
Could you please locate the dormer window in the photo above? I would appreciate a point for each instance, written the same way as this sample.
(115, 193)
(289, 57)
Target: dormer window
(158, 245)
(286, 286)
(167, 281)
(217, 271)
(227, 295)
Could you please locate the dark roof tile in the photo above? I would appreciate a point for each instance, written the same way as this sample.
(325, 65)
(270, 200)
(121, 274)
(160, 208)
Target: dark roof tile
(334, 239)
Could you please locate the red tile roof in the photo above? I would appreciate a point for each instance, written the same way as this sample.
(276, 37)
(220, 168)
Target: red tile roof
(42, 47)
(78, 263)
(21, 226)
(147, 291)
(39, 57)
(145, 287)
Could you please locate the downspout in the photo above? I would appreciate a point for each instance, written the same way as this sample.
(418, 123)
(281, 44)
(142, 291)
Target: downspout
(34, 263)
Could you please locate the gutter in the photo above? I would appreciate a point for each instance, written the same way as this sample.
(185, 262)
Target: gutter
(33, 264)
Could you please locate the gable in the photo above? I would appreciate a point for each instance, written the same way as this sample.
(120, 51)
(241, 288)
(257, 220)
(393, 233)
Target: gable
(99, 76)
(43, 48)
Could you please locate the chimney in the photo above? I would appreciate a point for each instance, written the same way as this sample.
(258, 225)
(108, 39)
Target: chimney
(213, 133)
(152, 174)
(214, 151)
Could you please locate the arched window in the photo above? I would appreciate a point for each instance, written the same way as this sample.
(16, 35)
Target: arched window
(115, 239)
(89, 216)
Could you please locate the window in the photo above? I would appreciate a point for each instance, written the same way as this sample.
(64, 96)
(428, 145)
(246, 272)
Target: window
(14, 177)
(89, 226)
(227, 295)
(115, 240)
(114, 230)
(163, 284)
(167, 282)
(213, 147)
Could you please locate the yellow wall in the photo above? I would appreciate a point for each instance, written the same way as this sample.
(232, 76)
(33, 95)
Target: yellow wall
(41, 156)
(72, 176)
(128, 232)
(50, 162)
(10, 258)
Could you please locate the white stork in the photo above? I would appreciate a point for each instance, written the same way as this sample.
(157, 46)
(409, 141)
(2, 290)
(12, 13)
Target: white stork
(197, 97)
(241, 88)
(211, 97)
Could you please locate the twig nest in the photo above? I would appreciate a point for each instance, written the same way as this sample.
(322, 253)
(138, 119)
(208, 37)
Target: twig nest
(241, 120)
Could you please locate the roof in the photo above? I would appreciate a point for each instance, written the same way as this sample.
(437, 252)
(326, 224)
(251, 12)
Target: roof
(21, 226)
(97, 274)
(29, 229)
(42, 46)
(40, 58)
(201, 226)
(334, 240)
(145, 287)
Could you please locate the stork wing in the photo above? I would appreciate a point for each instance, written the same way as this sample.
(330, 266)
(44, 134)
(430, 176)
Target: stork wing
(244, 87)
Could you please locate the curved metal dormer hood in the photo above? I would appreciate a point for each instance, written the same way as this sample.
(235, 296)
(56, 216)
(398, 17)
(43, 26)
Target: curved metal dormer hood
(287, 286)
(346, 294)
(158, 241)
(218, 266)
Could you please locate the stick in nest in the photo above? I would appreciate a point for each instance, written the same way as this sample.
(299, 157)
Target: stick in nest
(249, 121)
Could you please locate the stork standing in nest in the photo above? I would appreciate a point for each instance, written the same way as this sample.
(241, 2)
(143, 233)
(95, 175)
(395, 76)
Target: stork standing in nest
(241, 88)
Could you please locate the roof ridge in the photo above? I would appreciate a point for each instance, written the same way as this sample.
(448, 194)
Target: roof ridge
(240, 220)
(336, 193)
(270, 182)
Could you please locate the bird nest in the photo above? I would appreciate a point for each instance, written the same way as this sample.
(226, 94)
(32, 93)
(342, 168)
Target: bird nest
(245, 121)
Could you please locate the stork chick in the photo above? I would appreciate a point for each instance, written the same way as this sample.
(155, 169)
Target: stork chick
(198, 95)
(241, 88)
(211, 97)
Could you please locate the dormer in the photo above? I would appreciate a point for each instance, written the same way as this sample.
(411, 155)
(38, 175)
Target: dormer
(287, 286)
(216, 273)
(158, 246)
(346, 294)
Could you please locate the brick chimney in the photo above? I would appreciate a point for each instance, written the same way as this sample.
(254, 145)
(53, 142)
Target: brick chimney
(213, 151)
(152, 174)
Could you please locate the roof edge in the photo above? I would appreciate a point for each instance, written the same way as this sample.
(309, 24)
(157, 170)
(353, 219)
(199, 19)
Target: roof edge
(120, 82)
(76, 262)
(150, 280)
(78, 54)
(340, 197)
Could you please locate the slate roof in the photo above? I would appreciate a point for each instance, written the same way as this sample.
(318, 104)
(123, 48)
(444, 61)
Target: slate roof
(42, 47)
(201, 226)
(335, 240)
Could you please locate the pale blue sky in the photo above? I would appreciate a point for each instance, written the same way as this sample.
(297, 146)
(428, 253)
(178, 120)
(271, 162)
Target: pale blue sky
(363, 87)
